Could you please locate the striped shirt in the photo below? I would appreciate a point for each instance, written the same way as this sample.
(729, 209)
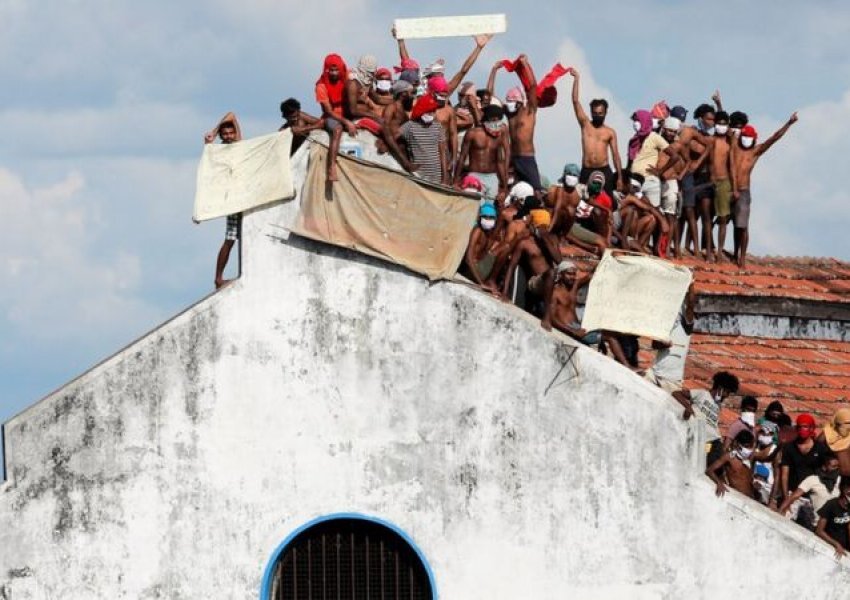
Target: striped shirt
(423, 144)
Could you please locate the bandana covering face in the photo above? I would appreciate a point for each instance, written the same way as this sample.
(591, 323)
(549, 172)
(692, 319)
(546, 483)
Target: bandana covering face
(364, 72)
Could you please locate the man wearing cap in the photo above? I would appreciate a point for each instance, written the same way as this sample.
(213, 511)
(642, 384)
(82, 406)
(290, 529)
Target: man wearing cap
(438, 87)
(485, 257)
(425, 142)
(521, 110)
(488, 149)
(593, 212)
(597, 140)
(744, 155)
(565, 200)
(672, 166)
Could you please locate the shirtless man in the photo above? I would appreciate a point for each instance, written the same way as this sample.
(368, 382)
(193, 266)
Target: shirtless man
(300, 123)
(485, 256)
(745, 153)
(398, 113)
(639, 218)
(467, 110)
(360, 109)
(522, 119)
(488, 150)
(382, 94)
(597, 140)
(703, 188)
(228, 132)
(734, 467)
(696, 146)
(529, 250)
(564, 200)
(445, 115)
(720, 176)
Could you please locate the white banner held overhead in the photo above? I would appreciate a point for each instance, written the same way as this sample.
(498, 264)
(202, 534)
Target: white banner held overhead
(236, 177)
(635, 294)
(434, 27)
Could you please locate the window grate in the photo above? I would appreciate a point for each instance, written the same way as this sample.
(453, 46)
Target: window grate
(350, 559)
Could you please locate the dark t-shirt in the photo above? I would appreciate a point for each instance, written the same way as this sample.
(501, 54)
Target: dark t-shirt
(801, 465)
(837, 521)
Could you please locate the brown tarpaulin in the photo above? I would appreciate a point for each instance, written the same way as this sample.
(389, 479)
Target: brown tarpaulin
(384, 213)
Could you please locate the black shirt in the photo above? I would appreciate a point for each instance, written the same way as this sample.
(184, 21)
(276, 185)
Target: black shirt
(837, 521)
(802, 465)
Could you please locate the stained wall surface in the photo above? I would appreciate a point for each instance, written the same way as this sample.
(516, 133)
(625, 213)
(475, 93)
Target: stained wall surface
(322, 382)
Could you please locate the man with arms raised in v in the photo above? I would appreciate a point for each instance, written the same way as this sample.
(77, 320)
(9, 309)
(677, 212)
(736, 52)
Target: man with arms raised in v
(745, 154)
(597, 139)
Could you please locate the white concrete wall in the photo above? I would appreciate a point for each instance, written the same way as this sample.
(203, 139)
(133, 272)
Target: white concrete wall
(324, 381)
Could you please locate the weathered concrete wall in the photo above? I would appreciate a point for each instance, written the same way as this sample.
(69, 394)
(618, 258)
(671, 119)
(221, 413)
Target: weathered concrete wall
(770, 326)
(323, 382)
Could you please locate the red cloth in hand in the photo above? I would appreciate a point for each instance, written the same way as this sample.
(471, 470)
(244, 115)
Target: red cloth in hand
(547, 94)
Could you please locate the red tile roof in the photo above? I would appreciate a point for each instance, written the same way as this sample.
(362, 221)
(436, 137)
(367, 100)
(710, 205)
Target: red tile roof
(805, 375)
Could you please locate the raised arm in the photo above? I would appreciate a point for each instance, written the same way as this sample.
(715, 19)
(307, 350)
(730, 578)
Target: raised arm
(491, 81)
(531, 88)
(765, 145)
(581, 116)
(480, 42)
(402, 47)
(717, 100)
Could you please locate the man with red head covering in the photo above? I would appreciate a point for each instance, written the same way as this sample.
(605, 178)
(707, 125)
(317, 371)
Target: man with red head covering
(330, 94)
(521, 109)
(800, 459)
(382, 93)
(745, 153)
(439, 88)
(426, 142)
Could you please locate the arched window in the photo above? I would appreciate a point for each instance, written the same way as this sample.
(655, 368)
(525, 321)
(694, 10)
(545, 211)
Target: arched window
(349, 557)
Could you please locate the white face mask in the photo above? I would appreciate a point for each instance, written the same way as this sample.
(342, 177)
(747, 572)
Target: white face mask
(721, 129)
(384, 85)
(510, 106)
(744, 453)
(636, 125)
(427, 118)
(765, 440)
(487, 224)
(749, 418)
(492, 125)
(747, 142)
(570, 180)
(655, 123)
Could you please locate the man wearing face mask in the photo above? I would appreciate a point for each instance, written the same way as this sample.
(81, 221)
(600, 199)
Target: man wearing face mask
(703, 189)
(425, 142)
(815, 490)
(719, 159)
(485, 257)
(705, 404)
(744, 156)
(409, 67)
(746, 422)
(801, 458)
(834, 520)
(564, 200)
(382, 95)
(734, 468)
(488, 149)
(597, 140)
(521, 110)
(438, 87)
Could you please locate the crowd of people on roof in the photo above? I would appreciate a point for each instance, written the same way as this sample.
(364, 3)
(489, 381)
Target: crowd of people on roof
(678, 182)
(789, 466)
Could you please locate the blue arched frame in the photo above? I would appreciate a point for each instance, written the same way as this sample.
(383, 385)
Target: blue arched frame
(268, 575)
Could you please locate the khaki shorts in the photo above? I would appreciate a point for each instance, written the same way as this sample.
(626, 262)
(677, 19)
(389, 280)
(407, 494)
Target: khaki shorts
(722, 198)
(667, 385)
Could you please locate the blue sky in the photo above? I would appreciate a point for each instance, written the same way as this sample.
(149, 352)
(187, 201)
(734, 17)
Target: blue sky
(104, 104)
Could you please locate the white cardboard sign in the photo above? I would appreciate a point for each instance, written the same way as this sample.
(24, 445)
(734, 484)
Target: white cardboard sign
(434, 27)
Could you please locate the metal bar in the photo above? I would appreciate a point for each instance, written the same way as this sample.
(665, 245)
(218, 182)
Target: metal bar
(383, 587)
(324, 571)
(294, 572)
(397, 580)
(309, 570)
(410, 574)
(368, 571)
(338, 567)
(353, 583)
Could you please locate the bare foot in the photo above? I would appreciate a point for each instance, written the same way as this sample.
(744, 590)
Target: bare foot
(742, 262)
(220, 283)
(720, 257)
(709, 257)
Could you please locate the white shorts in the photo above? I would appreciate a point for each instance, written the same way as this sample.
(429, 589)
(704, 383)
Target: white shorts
(652, 190)
(669, 197)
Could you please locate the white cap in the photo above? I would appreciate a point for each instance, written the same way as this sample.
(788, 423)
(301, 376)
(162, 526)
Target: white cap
(567, 265)
(672, 123)
(521, 190)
